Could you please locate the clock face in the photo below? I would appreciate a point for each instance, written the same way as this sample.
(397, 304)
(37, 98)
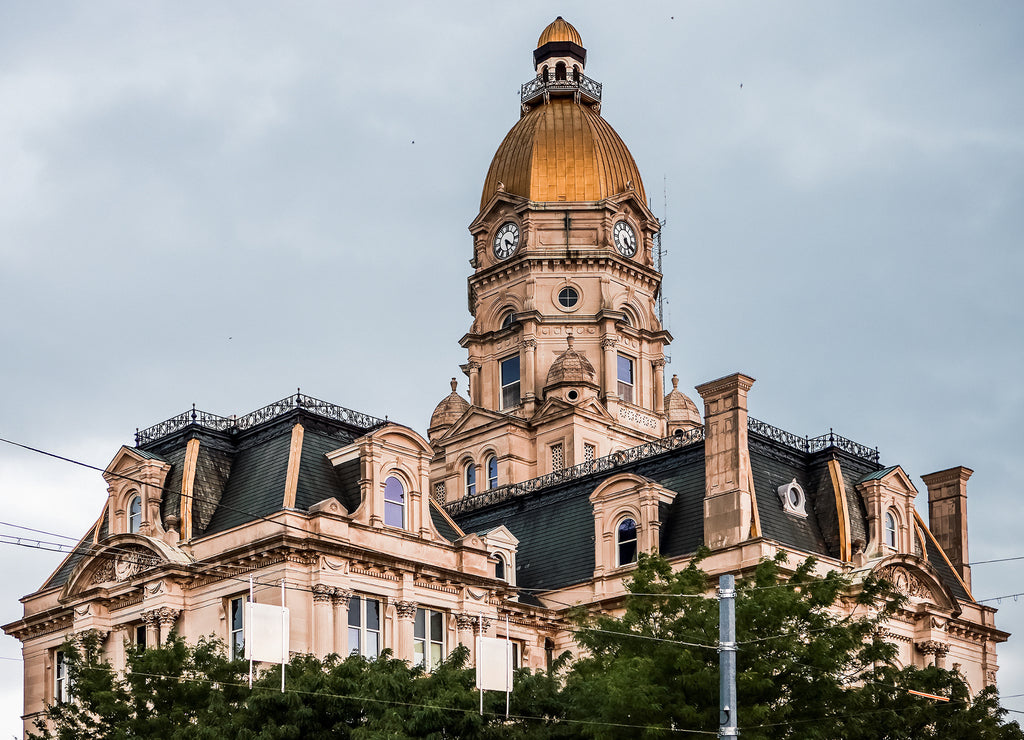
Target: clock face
(506, 241)
(624, 238)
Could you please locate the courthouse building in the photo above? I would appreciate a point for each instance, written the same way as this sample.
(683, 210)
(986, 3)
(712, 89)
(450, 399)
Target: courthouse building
(533, 491)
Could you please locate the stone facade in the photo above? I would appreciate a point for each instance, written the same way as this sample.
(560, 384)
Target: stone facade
(534, 492)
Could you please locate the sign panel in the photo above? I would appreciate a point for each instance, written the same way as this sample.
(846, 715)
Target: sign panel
(266, 633)
(493, 664)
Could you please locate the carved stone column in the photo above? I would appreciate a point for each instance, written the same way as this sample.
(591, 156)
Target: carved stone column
(323, 620)
(474, 383)
(935, 648)
(406, 612)
(659, 384)
(340, 605)
(468, 627)
(529, 373)
(610, 384)
(166, 616)
(152, 628)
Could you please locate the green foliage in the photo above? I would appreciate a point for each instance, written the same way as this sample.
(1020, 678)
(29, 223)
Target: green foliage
(804, 671)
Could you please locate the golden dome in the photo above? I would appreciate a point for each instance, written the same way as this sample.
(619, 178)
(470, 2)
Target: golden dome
(562, 151)
(451, 408)
(559, 30)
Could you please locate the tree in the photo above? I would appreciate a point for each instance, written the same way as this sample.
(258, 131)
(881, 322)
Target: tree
(804, 671)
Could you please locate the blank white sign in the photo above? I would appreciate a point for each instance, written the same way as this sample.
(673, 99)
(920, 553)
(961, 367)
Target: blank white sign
(493, 664)
(266, 633)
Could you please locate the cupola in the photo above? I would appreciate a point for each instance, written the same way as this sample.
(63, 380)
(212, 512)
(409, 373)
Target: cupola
(571, 376)
(451, 408)
(560, 54)
(681, 412)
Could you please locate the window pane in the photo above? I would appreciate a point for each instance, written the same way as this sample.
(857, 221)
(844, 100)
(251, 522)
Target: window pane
(236, 613)
(471, 480)
(625, 369)
(393, 490)
(436, 655)
(510, 370)
(353, 640)
(418, 653)
(372, 649)
(492, 471)
(436, 625)
(372, 614)
(419, 629)
(354, 611)
(499, 567)
(394, 514)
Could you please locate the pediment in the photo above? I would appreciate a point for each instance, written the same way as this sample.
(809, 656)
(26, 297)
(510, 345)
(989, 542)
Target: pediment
(554, 408)
(498, 201)
(895, 479)
(128, 459)
(475, 417)
(632, 199)
(500, 535)
(119, 560)
(915, 579)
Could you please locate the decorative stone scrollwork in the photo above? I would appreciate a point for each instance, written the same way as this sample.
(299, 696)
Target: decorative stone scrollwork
(933, 647)
(167, 616)
(130, 563)
(608, 342)
(103, 574)
(990, 678)
(406, 609)
(659, 362)
(906, 582)
(471, 621)
(322, 593)
(529, 343)
(149, 616)
(341, 597)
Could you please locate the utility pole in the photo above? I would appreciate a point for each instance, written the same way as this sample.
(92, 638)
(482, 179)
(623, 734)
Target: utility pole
(727, 657)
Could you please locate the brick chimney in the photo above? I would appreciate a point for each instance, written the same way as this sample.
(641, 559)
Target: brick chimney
(727, 495)
(947, 515)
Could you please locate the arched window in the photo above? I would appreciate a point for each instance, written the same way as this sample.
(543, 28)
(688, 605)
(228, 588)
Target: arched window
(625, 541)
(560, 71)
(492, 472)
(890, 530)
(499, 566)
(544, 73)
(506, 320)
(394, 503)
(135, 513)
(470, 479)
(575, 73)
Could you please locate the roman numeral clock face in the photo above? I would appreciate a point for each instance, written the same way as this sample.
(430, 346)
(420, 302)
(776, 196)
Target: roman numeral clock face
(624, 238)
(506, 241)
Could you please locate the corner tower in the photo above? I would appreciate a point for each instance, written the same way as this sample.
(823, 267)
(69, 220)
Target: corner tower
(565, 352)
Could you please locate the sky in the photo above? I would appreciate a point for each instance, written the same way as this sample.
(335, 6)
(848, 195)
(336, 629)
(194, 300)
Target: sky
(219, 203)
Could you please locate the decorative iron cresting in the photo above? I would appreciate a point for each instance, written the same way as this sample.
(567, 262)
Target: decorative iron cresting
(538, 86)
(812, 444)
(600, 465)
(248, 421)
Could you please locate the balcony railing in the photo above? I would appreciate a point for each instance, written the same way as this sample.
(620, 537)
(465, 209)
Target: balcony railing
(600, 465)
(240, 423)
(589, 90)
(812, 444)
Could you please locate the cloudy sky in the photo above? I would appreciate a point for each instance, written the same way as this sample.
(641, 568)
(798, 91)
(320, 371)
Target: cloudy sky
(217, 203)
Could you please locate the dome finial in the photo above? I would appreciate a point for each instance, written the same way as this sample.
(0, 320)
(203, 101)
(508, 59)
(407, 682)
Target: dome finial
(675, 382)
(455, 385)
(569, 339)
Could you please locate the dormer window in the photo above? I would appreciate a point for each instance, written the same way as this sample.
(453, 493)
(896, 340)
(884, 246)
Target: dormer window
(625, 540)
(394, 503)
(499, 566)
(890, 530)
(135, 513)
(793, 499)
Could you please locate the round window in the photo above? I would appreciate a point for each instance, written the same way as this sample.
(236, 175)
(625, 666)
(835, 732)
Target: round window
(572, 395)
(794, 497)
(568, 297)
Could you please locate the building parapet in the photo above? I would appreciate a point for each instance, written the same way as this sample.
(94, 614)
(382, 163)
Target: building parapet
(272, 411)
(600, 465)
(812, 444)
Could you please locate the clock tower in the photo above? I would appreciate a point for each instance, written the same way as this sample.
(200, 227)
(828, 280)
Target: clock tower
(566, 351)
